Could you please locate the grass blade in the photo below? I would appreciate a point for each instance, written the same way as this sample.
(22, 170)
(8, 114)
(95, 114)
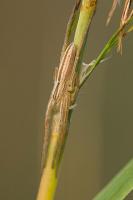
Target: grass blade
(120, 186)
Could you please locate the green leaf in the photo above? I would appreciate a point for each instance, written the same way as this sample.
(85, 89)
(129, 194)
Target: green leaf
(120, 186)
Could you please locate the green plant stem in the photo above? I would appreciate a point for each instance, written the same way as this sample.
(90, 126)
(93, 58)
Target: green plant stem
(87, 11)
(49, 177)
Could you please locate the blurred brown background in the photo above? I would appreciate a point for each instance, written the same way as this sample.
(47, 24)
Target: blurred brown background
(101, 134)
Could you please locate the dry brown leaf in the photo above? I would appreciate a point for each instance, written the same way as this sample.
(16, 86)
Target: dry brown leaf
(126, 15)
(115, 2)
